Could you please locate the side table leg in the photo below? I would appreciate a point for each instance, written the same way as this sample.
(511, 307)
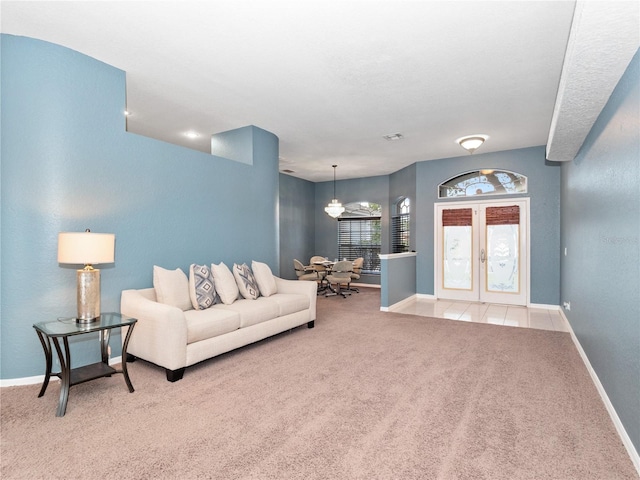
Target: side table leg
(65, 375)
(124, 357)
(46, 346)
(104, 345)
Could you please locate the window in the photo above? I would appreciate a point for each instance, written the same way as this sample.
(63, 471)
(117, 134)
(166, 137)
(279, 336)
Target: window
(483, 182)
(400, 224)
(360, 234)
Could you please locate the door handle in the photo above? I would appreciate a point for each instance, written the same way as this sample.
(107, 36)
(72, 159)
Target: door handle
(482, 256)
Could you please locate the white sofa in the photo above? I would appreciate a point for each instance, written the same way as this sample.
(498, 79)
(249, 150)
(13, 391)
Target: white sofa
(174, 338)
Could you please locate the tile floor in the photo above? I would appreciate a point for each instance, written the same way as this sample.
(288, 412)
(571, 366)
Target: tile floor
(486, 313)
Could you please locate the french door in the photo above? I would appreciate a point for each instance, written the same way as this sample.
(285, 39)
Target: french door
(482, 251)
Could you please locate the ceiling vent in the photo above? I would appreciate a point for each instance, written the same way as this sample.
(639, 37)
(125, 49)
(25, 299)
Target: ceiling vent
(393, 136)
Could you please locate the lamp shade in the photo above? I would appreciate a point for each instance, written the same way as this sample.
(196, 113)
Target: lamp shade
(86, 248)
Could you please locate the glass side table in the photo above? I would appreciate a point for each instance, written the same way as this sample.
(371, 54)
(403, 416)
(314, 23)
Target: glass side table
(63, 328)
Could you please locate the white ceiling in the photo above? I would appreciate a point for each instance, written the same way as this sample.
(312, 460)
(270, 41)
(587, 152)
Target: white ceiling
(329, 78)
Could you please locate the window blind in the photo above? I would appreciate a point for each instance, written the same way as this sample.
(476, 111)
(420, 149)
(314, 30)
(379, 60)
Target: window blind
(509, 215)
(400, 233)
(360, 237)
(457, 217)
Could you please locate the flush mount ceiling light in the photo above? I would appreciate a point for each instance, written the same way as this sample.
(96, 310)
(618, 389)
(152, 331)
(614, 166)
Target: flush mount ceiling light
(335, 208)
(192, 134)
(393, 136)
(472, 142)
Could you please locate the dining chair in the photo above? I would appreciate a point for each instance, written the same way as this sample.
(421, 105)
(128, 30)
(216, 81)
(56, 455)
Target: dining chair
(340, 275)
(357, 271)
(304, 273)
(316, 262)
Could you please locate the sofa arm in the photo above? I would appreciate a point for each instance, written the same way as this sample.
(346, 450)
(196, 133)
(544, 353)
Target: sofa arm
(307, 288)
(160, 335)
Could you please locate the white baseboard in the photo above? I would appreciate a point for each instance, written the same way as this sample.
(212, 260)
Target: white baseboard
(425, 296)
(15, 382)
(398, 305)
(628, 444)
(371, 285)
(544, 306)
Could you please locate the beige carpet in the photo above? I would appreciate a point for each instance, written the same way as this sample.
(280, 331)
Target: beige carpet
(364, 395)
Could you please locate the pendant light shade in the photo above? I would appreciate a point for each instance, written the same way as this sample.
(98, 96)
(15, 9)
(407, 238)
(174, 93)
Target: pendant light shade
(335, 208)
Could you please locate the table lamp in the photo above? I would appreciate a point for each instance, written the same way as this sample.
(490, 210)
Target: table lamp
(86, 248)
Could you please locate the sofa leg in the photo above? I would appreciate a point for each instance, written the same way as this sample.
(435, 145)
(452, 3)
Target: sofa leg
(311, 324)
(174, 375)
(131, 358)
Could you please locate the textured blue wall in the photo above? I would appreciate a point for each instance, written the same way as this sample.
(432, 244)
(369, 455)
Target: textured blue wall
(68, 164)
(397, 278)
(544, 192)
(601, 231)
(297, 225)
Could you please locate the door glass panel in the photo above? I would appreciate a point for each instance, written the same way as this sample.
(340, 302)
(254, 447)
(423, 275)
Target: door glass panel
(456, 257)
(503, 259)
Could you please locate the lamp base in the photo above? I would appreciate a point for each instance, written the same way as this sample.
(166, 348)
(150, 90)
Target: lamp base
(88, 295)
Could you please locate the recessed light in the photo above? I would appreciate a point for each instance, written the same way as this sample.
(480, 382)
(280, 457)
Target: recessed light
(393, 136)
(192, 134)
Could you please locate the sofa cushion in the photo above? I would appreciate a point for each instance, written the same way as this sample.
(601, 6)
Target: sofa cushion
(201, 289)
(209, 323)
(172, 287)
(252, 312)
(224, 282)
(246, 281)
(290, 303)
(264, 277)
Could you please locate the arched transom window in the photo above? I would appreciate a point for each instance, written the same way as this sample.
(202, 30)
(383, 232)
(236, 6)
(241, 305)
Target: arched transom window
(483, 182)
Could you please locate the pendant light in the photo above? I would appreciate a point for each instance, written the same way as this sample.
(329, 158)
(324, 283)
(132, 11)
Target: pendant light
(335, 208)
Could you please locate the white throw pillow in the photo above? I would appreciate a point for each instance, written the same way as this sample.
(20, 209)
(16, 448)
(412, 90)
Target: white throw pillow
(172, 287)
(264, 277)
(225, 284)
(246, 281)
(201, 289)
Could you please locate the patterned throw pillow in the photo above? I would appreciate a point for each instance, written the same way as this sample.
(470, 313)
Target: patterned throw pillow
(246, 281)
(201, 288)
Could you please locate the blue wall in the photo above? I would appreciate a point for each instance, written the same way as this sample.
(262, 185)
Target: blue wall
(544, 192)
(68, 164)
(297, 223)
(601, 231)
(397, 278)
